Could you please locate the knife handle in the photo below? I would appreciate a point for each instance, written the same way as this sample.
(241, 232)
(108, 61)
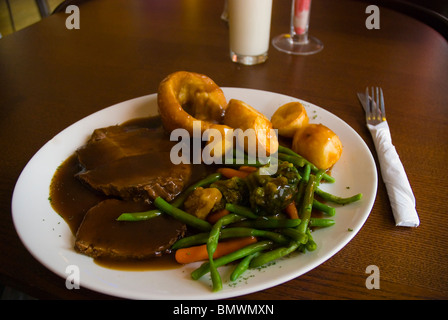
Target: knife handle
(400, 193)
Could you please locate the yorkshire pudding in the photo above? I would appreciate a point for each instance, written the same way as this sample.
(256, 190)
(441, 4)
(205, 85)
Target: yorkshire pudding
(185, 97)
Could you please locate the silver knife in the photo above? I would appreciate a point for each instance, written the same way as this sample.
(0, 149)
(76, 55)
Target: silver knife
(401, 197)
(362, 98)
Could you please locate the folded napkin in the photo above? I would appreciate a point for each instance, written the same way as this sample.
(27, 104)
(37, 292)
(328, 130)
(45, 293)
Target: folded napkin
(394, 176)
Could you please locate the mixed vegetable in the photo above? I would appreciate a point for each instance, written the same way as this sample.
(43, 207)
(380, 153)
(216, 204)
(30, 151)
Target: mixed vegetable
(247, 217)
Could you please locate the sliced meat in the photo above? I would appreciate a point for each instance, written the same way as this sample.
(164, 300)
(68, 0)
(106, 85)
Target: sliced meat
(101, 236)
(133, 164)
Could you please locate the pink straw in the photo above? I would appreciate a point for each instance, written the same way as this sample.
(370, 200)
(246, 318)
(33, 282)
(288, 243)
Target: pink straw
(301, 15)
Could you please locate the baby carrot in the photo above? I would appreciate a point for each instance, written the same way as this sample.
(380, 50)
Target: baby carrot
(215, 216)
(248, 169)
(291, 211)
(199, 253)
(230, 173)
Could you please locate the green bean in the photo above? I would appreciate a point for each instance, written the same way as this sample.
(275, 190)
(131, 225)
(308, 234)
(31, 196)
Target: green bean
(231, 218)
(212, 244)
(236, 163)
(310, 245)
(242, 266)
(302, 184)
(296, 161)
(276, 237)
(216, 277)
(268, 223)
(299, 195)
(294, 234)
(189, 241)
(227, 233)
(139, 216)
(201, 183)
(146, 215)
(236, 255)
(250, 232)
(324, 208)
(314, 169)
(307, 205)
(319, 176)
(202, 238)
(321, 222)
(335, 199)
(239, 158)
(182, 215)
(308, 200)
(274, 254)
(241, 210)
(306, 172)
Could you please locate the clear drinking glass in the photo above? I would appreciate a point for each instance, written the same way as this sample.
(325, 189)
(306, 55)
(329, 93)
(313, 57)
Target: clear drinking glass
(249, 29)
(298, 41)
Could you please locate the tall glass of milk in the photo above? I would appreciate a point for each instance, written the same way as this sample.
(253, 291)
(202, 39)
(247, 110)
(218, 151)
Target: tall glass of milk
(250, 28)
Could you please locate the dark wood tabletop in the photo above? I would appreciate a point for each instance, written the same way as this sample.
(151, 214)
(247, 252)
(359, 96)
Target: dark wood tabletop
(51, 77)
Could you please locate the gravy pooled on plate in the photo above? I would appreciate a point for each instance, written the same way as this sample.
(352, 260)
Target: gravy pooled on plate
(122, 169)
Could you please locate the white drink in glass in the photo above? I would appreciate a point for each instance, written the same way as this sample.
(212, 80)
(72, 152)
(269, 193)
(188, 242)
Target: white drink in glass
(250, 28)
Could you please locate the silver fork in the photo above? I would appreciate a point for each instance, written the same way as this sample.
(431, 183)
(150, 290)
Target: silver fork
(375, 110)
(394, 176)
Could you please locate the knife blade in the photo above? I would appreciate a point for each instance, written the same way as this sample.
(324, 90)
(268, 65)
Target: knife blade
(363, 99)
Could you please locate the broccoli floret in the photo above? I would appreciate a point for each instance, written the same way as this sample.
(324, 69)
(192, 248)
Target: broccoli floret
(233, 190)
(269, 195)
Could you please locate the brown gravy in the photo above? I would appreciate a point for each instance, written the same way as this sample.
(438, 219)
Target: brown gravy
(164, 262)
(72, 199)
(69, 197)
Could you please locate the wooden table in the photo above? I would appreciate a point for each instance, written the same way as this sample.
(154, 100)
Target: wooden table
(52, 77)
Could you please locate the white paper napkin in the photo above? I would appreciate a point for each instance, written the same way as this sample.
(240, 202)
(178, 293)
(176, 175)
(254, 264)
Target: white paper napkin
(394, 176)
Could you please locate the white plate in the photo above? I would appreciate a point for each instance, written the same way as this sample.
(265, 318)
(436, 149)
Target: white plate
(45, 234)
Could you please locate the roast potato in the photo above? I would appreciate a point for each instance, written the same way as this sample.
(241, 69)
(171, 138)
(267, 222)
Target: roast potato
(318, 144)
(202, 201)
(240, 115)
(289, 118)
(219, 141)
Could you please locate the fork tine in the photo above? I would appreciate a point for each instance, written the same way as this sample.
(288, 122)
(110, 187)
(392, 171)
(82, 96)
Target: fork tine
(368, 103)
(377, 102)
(382, 106)
(375, 108)
(373, 101)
